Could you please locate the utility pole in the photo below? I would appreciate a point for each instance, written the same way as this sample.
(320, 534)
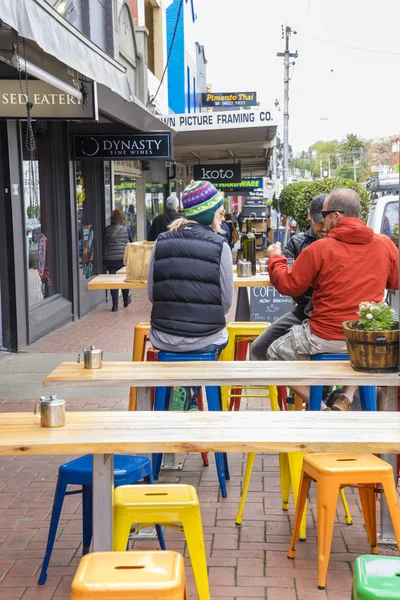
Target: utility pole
(355, 168)
(287, 55)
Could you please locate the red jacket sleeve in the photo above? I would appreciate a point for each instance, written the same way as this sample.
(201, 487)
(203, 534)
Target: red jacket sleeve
(295, 280)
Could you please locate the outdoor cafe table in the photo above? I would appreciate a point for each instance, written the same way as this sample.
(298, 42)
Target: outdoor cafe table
(117, 282)
(104, 434)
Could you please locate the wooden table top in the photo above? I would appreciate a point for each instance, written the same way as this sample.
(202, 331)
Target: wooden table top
(244, 431)
(240, 373)
(117, 282)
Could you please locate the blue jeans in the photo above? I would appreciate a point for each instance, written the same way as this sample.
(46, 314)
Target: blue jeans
(114, 293)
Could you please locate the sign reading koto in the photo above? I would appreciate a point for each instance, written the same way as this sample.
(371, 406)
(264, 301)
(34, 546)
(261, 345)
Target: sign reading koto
(234, 119)
(127, 146)
(218, 173)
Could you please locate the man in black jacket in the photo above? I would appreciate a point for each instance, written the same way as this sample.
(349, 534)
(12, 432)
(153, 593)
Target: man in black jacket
(303, 304)
(161, 222)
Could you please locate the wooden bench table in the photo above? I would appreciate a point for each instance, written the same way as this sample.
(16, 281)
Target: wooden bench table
(107, 433)
(117, 282)
(238, 373)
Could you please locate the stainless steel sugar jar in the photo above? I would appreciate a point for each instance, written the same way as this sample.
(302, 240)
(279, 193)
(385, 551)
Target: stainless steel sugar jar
(92, 358)
(50, 411)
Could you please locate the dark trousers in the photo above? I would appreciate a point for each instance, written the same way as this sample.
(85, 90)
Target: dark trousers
(114, 293)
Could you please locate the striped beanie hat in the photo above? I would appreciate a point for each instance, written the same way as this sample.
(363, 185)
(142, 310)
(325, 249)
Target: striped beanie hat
(200, 200)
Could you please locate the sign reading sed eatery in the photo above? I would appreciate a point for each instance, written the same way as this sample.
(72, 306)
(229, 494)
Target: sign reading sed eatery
(48, 102)
(218, 173)
(229, 99)
(219, 120)
(127, 146)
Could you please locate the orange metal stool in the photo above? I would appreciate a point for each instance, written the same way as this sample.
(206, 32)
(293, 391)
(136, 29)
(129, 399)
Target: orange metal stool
(127, 575)
(332, 472)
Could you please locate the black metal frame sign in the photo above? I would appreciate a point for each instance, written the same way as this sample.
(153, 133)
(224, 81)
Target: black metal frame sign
(133, 146)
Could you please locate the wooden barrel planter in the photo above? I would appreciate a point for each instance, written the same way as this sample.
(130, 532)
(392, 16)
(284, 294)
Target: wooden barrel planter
(372, 351)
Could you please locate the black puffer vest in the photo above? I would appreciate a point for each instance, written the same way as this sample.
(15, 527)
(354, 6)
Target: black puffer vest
(115, 240)
(187, 297)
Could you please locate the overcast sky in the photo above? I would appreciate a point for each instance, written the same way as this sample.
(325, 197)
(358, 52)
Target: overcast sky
(334, 89)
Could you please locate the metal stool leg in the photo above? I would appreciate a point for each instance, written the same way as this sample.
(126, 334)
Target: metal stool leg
(61, 488)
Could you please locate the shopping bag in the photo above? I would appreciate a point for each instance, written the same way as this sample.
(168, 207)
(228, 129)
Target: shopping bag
(137, 259)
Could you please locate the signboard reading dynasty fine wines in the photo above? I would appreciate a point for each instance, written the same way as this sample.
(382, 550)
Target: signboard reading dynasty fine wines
(132, 146)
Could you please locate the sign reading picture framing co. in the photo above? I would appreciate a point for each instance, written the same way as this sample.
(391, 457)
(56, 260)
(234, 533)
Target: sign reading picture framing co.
(132, 146)
(218, 173)
(210, 99)
(48, 102)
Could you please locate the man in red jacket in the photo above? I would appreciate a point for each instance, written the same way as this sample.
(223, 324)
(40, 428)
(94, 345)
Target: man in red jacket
(350, 266)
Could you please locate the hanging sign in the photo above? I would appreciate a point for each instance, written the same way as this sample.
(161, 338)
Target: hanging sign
(247, 184)
(48, 102)
(231, 173)
(131, 146)
(232, 99)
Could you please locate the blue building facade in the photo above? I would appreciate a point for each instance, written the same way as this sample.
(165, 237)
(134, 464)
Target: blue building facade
(183, 85)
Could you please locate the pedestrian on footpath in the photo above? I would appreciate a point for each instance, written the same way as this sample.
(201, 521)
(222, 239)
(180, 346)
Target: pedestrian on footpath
(161, 222)
(190, 282)
(116, 237)
(351, 265)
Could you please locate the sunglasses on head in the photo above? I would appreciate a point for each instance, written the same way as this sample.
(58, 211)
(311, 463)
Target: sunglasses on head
(325, 213)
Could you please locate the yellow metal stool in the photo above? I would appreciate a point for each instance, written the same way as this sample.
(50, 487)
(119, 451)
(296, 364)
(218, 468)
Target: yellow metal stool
(127, 575)
(290, 468)
(165, 505)
(239, 331)
(139, 346)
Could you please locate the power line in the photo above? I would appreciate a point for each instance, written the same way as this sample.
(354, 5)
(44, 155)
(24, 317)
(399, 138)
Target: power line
(356, 47)
(169, 52)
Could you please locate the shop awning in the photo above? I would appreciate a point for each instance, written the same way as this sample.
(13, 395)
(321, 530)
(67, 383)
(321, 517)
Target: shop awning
(38, 21)
(248, 136)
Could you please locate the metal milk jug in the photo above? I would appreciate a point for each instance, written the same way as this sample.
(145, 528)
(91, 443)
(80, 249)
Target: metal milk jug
(50, 411)
(244, 268)
(92, 358)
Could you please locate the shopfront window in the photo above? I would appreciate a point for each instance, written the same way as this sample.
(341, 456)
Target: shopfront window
(86, 228)
(125, 199)
(39, 217)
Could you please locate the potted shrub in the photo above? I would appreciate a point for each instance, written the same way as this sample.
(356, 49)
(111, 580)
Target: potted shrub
(373, 341)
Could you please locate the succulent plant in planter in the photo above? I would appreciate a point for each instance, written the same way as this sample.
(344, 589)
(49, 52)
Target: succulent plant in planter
(373, 340)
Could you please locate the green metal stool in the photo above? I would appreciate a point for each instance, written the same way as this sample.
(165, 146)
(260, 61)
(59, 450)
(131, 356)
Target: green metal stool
(376, 578)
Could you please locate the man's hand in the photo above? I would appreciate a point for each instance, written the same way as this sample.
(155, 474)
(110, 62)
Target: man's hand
(274, 250)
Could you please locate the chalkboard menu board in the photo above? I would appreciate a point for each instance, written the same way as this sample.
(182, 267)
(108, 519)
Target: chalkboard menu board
(267, 304)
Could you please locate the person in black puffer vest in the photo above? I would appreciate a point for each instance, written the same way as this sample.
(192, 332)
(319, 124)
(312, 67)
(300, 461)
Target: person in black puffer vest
(303, 303)
(116, 237)
(190, 282)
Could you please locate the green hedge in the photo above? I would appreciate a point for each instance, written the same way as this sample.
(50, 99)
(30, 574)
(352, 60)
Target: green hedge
(296, 197)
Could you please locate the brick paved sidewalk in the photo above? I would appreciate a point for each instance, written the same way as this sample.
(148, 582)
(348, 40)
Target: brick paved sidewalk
(244, 562)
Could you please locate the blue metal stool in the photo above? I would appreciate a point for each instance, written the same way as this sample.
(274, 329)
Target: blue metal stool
(161, 402)
(367, 393)
(127, 471)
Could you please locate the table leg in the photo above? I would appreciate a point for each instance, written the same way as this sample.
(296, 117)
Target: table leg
(386, 536)
(242, 305)
(103, 485)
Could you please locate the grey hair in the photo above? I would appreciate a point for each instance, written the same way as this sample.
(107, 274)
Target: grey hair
(346, 201)
(172, 202)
